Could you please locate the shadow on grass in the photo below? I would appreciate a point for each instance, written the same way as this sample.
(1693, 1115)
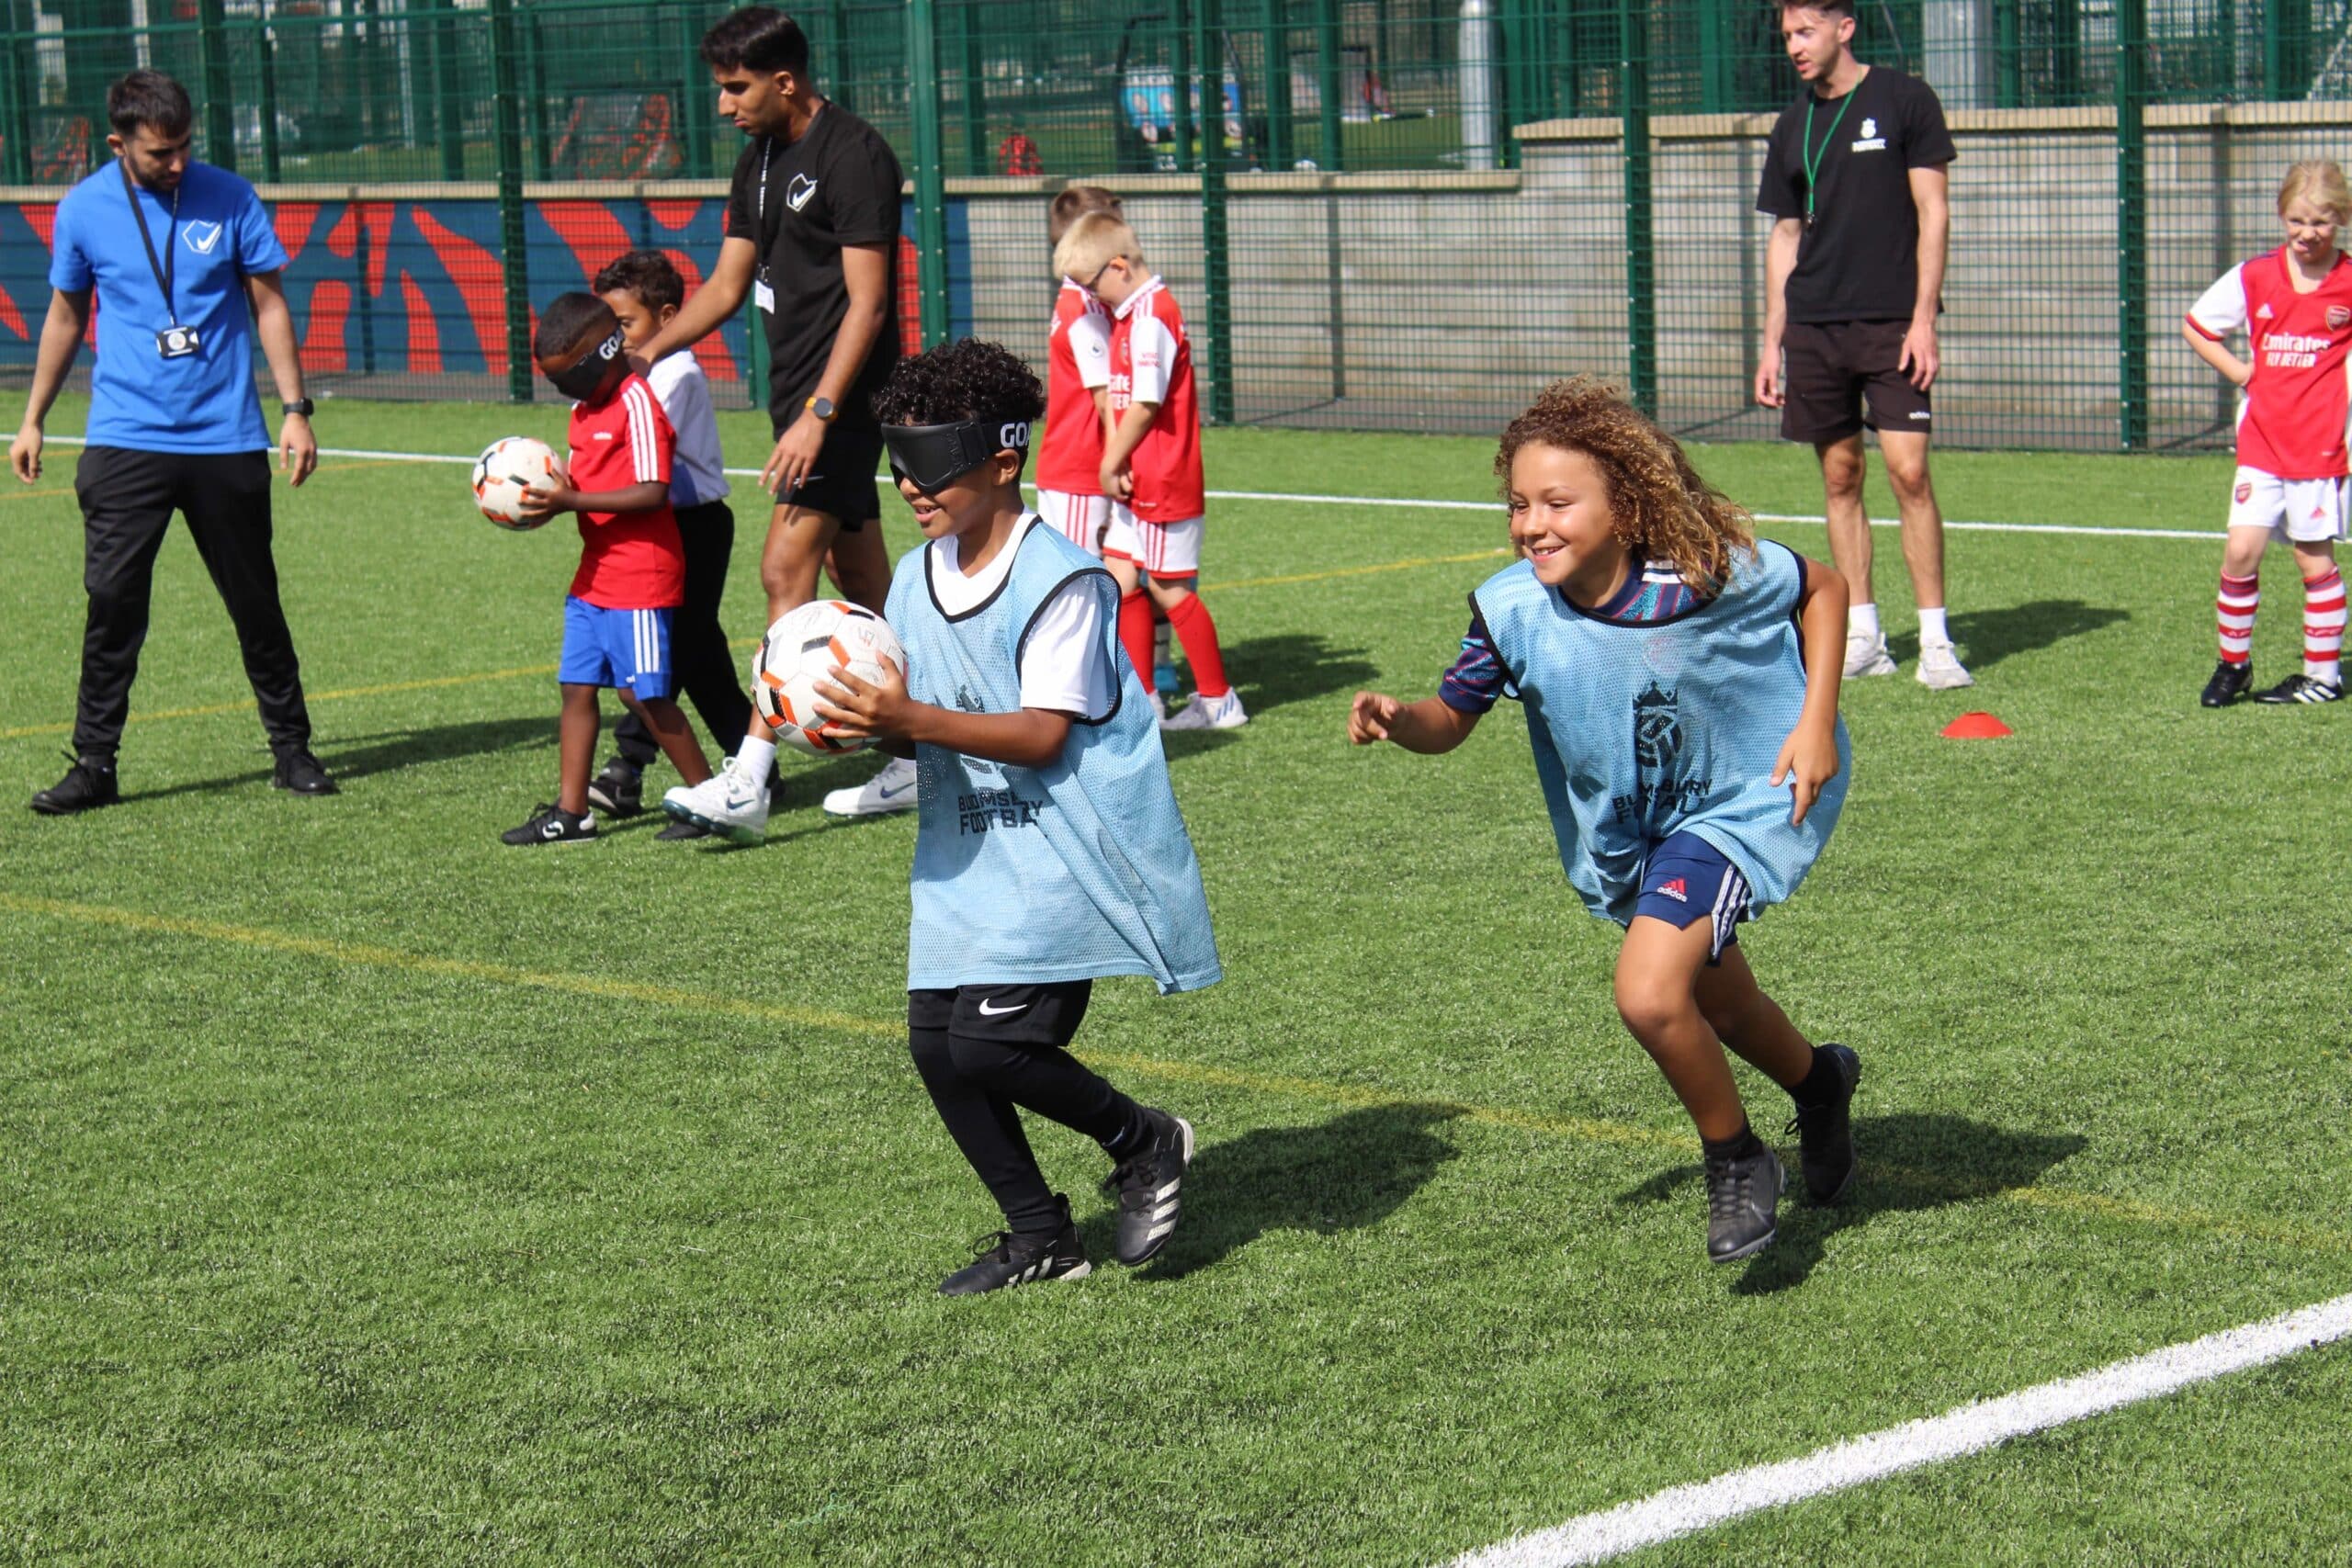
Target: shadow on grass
(1908, 1163)
(1344, 1174)
(353, 758)
(1987, 636)
(1294, 667)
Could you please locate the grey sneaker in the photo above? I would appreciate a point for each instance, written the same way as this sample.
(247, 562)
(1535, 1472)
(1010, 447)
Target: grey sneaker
(1939, 667)
(1866, 655)
(1742, 1197)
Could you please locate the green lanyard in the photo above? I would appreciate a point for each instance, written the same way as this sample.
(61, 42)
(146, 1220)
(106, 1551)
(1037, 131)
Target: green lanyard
(1808, 157)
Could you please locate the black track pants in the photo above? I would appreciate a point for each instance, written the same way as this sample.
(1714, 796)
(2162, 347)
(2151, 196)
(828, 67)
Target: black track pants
(699, 649)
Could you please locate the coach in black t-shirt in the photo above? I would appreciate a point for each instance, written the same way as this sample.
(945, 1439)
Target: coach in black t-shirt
(812, 239)
(1854, 270)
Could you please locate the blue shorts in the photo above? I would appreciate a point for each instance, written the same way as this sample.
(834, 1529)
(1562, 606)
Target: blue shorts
(622, 649)
(1688, 879)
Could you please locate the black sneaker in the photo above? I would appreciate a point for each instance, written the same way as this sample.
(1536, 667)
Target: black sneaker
(2228, 685)
(1742, 1194)
(301, 771)
(2300, 688)
(87, 784)
(677, 832)
(619, 790)
(1825, 1134)
(1005, 1259)
(552, 825)
(1147, 1184)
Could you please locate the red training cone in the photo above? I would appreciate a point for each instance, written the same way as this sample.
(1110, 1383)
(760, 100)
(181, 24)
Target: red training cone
(1975, 726)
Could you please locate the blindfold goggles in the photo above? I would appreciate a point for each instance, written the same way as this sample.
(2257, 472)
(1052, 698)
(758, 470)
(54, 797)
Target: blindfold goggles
(580, 378)
(932, 455)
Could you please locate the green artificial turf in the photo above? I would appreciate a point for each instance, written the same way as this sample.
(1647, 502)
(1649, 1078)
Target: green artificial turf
(371, 1191)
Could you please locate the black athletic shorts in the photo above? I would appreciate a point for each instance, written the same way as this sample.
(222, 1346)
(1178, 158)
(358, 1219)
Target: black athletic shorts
(841, 484)
(1007, 1015)
(1826, 371)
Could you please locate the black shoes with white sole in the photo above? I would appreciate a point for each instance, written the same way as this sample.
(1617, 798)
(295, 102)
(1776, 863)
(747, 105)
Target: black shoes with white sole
(1006, 1260)
(1148, 1185)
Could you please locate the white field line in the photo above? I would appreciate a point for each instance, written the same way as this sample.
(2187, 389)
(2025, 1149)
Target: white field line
(1684, 1510)
(1420, 504)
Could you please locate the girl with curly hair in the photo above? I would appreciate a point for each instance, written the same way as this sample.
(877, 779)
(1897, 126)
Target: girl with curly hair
(1680, 685)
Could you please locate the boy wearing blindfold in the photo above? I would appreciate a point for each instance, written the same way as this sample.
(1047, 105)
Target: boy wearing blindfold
(1048, 852)
(632, 571)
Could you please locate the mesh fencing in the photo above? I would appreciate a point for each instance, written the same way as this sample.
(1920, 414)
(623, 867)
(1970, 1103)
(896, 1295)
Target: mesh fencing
(1386, 214)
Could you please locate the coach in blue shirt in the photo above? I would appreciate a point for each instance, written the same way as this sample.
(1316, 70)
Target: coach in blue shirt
(184, 267)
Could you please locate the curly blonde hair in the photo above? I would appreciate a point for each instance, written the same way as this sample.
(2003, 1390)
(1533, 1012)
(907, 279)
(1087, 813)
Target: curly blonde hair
(1660, 508)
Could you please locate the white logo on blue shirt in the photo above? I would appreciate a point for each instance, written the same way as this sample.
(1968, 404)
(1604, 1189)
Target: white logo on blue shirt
(201, 237)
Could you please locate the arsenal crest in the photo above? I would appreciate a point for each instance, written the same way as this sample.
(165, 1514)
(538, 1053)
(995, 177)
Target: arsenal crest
(2338, 316)
(2245, 492)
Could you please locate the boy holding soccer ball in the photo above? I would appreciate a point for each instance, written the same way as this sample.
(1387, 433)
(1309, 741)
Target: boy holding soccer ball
(1049, 850)
(632, 571)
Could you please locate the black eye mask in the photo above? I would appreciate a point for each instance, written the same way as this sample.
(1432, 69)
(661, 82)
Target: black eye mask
(935, 454)
(581, 378)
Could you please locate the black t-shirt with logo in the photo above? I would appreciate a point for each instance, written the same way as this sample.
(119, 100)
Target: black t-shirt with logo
(1858, 260)
(838, 185)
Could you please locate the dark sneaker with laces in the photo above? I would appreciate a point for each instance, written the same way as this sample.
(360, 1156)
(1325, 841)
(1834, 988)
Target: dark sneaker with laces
(301, 771)
(677, 832)
(1742, 1197)
(2300, 688)
(2228, 685)
(1147, 1185)
(1005, 1259)
(552, 825)
(87, 784)
(1825, 1134)
(619, 790)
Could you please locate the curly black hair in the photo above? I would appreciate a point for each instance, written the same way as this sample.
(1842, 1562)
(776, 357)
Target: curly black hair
(971, 379)
(648, 275)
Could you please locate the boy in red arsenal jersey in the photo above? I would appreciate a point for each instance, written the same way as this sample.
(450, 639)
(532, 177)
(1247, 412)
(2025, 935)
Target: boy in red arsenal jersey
(2295, 305)
(1078, 390)
(1151, 464)
(632, 565)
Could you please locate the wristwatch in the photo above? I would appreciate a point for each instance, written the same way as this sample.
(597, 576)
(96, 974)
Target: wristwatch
(823, 409)
(302, 406)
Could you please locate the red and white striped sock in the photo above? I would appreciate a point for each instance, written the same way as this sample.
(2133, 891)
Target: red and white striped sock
(2239, 596)
(2324, 627)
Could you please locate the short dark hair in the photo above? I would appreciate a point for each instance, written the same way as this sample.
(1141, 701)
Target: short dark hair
(648, 275)
(1826, 8)
(570, 320)
(152, 99)
(970, 378)
(759, 36)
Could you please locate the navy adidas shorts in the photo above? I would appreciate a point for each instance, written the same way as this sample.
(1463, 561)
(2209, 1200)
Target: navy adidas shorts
(626, 650)
(1688, 879)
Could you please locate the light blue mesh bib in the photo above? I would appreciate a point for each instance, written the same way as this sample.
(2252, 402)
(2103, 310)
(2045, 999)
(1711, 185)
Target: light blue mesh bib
(1643, 731)
(1028, 875)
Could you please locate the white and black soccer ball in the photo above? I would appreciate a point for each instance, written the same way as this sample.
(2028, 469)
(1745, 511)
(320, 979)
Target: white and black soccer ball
(505, 469)
(804, 648)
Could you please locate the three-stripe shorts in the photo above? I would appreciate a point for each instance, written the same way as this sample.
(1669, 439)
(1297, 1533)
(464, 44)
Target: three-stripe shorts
(621, 649)
(1687, 880)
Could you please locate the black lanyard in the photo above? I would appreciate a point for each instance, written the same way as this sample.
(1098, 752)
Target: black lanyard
(168, 268)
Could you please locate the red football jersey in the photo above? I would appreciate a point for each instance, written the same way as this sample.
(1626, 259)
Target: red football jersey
(2291, 423)
(1077, 360)
(1151, 361)
(629, 561)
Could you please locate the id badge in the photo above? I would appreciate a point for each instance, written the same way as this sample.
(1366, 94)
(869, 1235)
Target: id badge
(176, 343)
(763, 295)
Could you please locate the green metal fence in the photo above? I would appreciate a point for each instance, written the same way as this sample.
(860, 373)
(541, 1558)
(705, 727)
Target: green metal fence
(1379, 213)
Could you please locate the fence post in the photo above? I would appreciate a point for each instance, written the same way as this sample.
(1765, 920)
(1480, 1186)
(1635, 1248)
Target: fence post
(2286, 49)
(534, 80)
(2132, 223)
(448, 111)
(694, 110)
(1327, 72)
(1719, 54)
(506, 106)
(266, 55)
(16, 136)
(1641, 272)
(838, 74)
(930, 185)
(220, 96)
(1215, 234)
(971, 95)
(1276, 47)
(2008, 65)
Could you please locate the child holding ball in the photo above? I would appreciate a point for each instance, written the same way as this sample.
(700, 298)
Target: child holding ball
(1680, 685)
(1048, 850)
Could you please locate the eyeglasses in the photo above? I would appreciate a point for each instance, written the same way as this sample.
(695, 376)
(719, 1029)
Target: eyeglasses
(1097, 275)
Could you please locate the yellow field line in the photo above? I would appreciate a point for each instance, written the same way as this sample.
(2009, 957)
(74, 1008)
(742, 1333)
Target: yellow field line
(1351, 571)
(1621, 1135)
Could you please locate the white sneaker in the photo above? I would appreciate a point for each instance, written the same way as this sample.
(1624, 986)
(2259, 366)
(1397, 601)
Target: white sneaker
(1208, 713)
(1940, 669)
(892, 789)
(731, 803)
(1866, 655)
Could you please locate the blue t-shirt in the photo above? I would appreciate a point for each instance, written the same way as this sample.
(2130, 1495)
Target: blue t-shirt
(204, 401)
